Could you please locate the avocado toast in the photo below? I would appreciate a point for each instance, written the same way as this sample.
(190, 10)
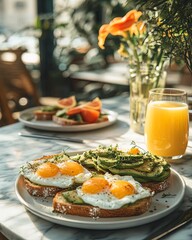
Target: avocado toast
(105, 196)
(150, 170)
(112, 183)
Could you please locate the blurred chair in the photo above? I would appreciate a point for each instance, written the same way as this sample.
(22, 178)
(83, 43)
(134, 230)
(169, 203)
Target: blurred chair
(15, 83)
(2, 237)
(6, 114)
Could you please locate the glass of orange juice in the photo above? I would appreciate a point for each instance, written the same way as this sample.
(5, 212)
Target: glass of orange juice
(167, 123)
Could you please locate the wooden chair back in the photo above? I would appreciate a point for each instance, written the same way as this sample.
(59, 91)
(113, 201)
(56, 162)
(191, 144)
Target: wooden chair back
(15, 83)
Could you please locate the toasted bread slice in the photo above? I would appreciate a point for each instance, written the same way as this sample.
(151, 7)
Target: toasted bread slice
(104, 118)
(157, 186)
(44, 116)
(42, 190)
(65, 121)
(39, 190)
(60, 204)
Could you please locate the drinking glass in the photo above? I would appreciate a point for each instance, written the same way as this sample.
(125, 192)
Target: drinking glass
(167, 123)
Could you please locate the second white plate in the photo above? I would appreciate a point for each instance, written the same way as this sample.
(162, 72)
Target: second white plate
(27, 118)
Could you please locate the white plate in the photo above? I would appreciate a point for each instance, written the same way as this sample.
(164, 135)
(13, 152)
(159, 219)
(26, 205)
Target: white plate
(163, 204)
(27, 118)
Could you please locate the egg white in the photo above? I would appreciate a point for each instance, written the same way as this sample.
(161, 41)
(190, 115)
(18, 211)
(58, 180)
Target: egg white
(59, 180)
(106, 200)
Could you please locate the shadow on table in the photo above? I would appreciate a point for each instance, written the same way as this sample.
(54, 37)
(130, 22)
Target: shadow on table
(116, 130)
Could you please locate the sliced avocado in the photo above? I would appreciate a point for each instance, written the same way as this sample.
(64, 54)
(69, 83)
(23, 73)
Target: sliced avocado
(77, 117)
(147, 166)
(110, 152)
(93, 164)
(89, 163)
(130, 158)
(81, 158)
(101, 169)
(123, 165)
(61, 113)
(155, 173)
(143, 167)
(104, 154)
(88, 154)
(111, 162)
(165, 174)
(49, 108)
(160, 161)
(72, 197)
(75, 157)
(141, 180)
(107, 161)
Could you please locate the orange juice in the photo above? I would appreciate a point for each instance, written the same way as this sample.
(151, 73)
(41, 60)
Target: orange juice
(166, 128)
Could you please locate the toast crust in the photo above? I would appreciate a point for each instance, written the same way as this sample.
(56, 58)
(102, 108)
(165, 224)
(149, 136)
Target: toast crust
(158, 186)
(39, 190)
(45, 191)
(64, 207)
(64, 121)
(44, 116)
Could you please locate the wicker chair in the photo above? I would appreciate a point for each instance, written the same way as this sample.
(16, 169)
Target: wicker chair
(15, 83)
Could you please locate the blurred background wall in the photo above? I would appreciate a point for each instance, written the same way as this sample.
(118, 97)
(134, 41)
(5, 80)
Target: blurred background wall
(57, 39)
(16, 14)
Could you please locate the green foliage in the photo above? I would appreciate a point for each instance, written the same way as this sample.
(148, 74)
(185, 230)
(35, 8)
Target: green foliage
(173, 25)
(91, 14)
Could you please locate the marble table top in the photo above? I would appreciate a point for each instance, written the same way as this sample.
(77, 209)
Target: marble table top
(18, 223)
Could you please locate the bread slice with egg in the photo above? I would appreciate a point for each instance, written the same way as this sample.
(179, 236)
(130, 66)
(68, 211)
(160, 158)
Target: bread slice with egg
(44, 177)
(105, 196)
(60, 204)
(158, 186)
(40, 190)
(67, 121)
(44, 116)
(150, 170)
(45, 113)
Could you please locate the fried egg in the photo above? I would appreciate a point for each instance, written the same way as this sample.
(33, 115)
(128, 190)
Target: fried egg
(111, 191)
(51, 172)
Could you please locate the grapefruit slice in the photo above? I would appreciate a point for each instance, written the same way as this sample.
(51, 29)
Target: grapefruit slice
(74, 110)
(89, 115)
(95, 104)
(67, 102)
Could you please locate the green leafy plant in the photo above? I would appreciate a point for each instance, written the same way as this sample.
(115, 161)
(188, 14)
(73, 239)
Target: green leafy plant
(137, 44)
(173, 26)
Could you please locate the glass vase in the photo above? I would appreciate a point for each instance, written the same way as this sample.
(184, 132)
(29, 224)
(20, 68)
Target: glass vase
(140, 83)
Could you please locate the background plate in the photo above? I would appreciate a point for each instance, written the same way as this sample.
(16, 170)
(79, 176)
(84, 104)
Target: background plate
(163, 203)
(27, 118)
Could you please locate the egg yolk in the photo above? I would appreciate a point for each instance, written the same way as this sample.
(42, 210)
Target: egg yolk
(71, 168)
(121, 188)
(134, 151)
(47, 169)
(95, 185)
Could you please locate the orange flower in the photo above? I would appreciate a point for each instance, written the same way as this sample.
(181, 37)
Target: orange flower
(124, 23)
(137, 29)
(118, 26)
(123, 51)
(103, 33)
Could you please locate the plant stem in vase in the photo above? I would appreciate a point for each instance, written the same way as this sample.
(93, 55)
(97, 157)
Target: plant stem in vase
(140, 83)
